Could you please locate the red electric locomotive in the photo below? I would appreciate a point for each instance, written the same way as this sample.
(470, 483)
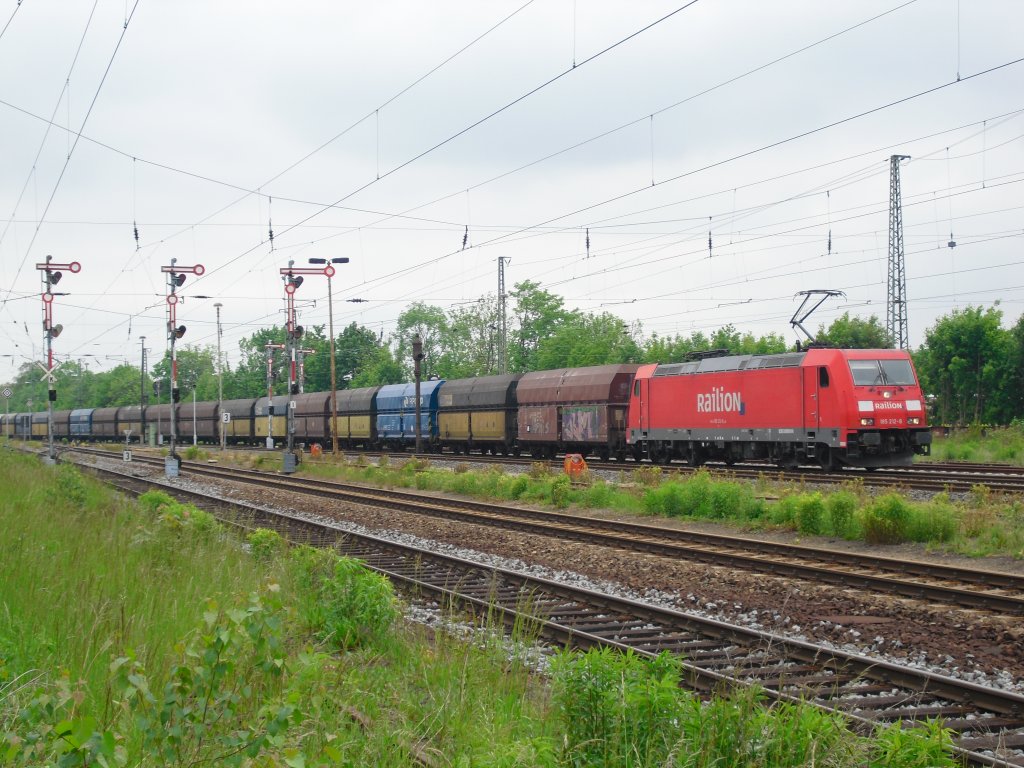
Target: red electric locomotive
(860, 407)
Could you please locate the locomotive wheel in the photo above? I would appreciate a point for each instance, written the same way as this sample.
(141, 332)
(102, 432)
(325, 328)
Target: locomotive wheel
(603, 454)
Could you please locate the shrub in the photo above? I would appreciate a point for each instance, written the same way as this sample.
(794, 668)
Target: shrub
(153, 501)
(264, 543)
(69, 486)
(841, 508)
(887, 520)
(598, 495)
(461, 468)
(539, 470)
(514, 486)
(666, 499)
(934, 521)
(810, 513)
(783, 512)
(341, 600)
(647, 476)
(561, 491)
(359, 605)
(617, 709)
(194, 452)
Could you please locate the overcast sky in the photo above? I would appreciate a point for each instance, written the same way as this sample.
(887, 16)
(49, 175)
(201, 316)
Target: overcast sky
(382, 131)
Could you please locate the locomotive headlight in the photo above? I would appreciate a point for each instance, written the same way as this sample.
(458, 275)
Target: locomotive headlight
(867, 422)
(913, 420)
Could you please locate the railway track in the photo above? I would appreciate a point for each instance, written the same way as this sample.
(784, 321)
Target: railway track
(980, 590)
(988, 724)
(954, 477)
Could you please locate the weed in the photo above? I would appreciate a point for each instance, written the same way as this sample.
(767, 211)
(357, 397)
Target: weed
(264, 543)
(539, 470)
(561, 491)
(195, 453)
(841, 508)
(647, 476)
(887, 520)
(810, 513)
(343, 602)
(925, 746)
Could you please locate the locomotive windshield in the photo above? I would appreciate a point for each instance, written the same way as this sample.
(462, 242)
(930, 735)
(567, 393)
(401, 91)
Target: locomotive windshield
(880, 372)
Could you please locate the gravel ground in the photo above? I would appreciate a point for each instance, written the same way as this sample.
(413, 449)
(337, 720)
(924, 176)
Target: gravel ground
(970, 645)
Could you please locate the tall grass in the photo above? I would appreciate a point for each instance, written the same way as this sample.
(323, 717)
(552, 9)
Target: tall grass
(620, 711)
(982, 444)
(74, 555)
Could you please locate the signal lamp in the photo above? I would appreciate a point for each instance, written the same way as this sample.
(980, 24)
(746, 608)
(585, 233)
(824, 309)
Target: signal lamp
(299, 330)
(55, 331)
(178, 279)
(53, 395)
(179, 331)
(294, 388)
(175, 394)
(297, 280)
(54, 277)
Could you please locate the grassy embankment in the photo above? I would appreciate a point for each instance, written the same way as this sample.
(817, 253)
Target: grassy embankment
(145, 634)
(985, 445)
(982, 524)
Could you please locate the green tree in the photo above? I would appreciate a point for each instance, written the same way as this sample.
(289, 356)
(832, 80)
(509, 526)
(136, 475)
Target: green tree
(193, 364)
(1011, 400)
(536, 314)
(356, 349)
(432, 326)
(674, 349)
(379, 368)
(586, 339)
(249, 379)
(470, 341)
(847, 332)
(963, 363)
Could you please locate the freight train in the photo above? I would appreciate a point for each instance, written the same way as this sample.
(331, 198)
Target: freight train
(861, 408)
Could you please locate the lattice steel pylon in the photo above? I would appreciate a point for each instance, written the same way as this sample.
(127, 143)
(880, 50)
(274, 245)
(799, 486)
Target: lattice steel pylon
(896, 298)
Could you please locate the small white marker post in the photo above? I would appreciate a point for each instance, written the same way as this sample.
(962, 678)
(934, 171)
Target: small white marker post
(126, 455)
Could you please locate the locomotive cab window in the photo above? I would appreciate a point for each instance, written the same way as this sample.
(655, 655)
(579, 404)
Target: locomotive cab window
(882, 372)
(822, 376)
(636, 388)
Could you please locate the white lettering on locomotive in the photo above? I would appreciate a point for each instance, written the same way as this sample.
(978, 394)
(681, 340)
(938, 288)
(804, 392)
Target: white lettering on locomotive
(888, 405)
(720, 401)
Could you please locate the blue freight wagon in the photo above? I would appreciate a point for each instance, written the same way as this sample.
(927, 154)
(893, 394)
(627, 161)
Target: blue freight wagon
(396, 414)
(81, 423)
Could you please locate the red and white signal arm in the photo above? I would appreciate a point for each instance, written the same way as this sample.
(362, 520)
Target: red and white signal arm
(172, 299)
(72, 266)
(329, 270)
(197, 269)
